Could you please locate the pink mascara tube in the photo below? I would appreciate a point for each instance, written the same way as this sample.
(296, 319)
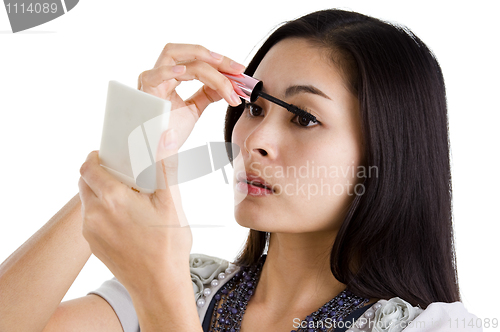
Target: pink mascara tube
(245, 86)
(250, 89)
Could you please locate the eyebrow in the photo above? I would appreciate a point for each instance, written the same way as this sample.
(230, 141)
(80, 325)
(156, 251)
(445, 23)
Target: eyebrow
(296, 89)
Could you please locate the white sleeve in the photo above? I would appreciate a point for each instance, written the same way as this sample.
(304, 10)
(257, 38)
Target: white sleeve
(119, 299)
(397, 315)
(203, 269)
(444, 317)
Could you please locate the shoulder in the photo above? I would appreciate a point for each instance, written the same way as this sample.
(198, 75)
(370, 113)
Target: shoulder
(395, 315)
(204, 269)
(205, 264)
(208, 274)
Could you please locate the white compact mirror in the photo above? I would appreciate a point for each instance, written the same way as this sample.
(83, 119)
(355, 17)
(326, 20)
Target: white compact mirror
(133, 124)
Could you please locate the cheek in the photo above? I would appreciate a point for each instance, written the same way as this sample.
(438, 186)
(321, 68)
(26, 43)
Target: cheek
(238, 131)
(238, 139)
(332, 163)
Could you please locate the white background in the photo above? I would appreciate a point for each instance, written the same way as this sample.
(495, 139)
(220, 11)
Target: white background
(53, 85)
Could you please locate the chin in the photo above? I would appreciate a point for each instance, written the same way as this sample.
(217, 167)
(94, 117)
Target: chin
(253, 221)
(262, 223)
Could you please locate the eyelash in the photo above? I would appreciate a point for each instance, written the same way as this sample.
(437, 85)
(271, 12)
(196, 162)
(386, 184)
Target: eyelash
(247, 108)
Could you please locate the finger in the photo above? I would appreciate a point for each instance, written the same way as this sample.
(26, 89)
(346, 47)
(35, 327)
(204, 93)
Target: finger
(202, 98)
(100, 181)
(158, 75)
(213, 79)
(167, 197)
(170, 197)
(173, 54)
(168, 146)
(168, 158)
(183, 119)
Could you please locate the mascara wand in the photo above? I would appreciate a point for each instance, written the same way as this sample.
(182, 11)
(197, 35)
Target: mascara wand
(292, 108)
(250, 89)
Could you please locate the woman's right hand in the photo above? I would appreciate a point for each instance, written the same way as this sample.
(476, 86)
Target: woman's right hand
(185, 62)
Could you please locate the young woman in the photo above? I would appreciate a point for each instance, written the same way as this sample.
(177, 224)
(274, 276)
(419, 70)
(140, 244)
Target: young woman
(364, 236)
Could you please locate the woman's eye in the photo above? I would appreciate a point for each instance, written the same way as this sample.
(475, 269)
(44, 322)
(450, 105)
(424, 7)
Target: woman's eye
(253, 108)
(304, 121)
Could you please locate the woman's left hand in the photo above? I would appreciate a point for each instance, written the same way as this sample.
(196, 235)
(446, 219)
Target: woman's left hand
(143, 239)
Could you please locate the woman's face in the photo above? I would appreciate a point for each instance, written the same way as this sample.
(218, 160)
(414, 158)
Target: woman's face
(312, 167)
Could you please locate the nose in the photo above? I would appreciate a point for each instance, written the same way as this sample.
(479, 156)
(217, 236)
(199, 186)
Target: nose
(259, 144)
(263, 140)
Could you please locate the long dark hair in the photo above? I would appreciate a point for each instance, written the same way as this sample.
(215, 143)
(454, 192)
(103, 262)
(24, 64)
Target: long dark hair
(396, 238)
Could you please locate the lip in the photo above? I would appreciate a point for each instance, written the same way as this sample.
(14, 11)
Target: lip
(243, 176)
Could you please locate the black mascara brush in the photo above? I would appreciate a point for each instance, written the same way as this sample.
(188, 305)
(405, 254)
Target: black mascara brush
(250, 89)
(292, 108)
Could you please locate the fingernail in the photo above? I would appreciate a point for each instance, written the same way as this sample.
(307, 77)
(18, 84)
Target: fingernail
(216, 55)
(235, 98)
(170, 141)
(178, 69)
(237, 66)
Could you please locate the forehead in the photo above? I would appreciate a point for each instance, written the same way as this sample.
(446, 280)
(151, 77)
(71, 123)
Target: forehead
(297, 61)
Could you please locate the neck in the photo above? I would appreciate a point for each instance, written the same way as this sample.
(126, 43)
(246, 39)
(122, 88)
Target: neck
(296, 276)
